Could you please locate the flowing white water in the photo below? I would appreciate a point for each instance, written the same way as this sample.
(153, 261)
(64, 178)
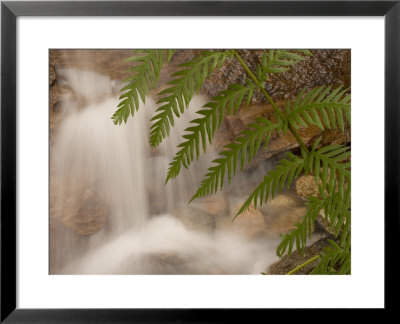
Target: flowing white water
(109, 186)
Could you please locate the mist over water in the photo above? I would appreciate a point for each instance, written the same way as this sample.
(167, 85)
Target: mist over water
(108, 185)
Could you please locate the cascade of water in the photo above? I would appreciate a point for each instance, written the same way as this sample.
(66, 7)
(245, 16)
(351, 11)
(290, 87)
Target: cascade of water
(110, 186)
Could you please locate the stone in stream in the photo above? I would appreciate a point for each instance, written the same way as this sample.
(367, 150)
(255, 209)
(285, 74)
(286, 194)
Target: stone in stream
(282, 213)
(195, 219)
(250, 223)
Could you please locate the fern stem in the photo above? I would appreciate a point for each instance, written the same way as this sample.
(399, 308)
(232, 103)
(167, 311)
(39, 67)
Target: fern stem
(272, 102)
(303, 265)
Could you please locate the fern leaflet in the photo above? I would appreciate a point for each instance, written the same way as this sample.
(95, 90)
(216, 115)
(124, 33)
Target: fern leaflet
(321, 107)
(327, 166)
(187, 82)
(278, 61)
(337, 208)
(212, 113)
(335, 259)
(246, 145)
(335, 196)
(303, 230)
(145, 77)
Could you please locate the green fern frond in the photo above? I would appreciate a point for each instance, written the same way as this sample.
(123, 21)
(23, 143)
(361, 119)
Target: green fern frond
(321, 107)
(278, 61)
(331, 168)
(287, 170)
(335, 259)
(145, 77)
(227, 102)
(337, 208)
(337, 212)
(186, 83)
(303, 230)
(338, 216)
(246, 145)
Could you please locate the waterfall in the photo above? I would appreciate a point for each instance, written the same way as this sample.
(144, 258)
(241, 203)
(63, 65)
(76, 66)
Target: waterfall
(108, 194)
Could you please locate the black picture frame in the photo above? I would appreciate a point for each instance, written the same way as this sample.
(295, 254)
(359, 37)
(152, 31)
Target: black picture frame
(11, 10)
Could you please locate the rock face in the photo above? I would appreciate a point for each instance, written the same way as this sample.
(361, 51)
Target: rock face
(325, 67)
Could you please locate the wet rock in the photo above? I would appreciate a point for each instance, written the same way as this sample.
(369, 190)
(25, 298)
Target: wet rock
(195, 219)
(282, 213)
(282, 201)
(288, 263)
(250, 223)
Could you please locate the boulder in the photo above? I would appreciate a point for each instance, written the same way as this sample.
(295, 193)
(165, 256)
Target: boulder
(250, 223)
(282, 201)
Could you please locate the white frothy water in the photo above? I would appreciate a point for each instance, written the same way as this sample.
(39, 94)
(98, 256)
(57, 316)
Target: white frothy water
(107, 177)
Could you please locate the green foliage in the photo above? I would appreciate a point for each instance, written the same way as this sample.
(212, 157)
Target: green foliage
(278, 61)
(325, 107)
(227, 102)
(302, 231)
(335, 259)
(284, 173)
(334, 187)
(319, 107)
(329, 165)
(245, 146)
(185, 84)
(145, 77)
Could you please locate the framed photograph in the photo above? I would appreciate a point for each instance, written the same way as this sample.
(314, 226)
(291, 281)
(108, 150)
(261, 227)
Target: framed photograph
(115, 115)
